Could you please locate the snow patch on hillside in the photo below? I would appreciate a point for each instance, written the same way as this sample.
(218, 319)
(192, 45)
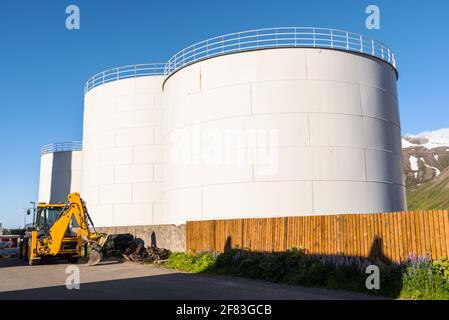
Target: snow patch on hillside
(437, 172)
(406, 144)
(414, 163)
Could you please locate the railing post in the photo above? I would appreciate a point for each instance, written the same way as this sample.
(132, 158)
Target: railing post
(240, 49)
(276, 30)
(314, 38)
(257, 39)
(296, 37)
(332, 38)
(183, 56)
(361, 44)
(347, 40)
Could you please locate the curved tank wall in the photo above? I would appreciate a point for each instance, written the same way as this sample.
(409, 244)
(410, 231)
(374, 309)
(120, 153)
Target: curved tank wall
(122, 152)
(60, 172)
(325, 136)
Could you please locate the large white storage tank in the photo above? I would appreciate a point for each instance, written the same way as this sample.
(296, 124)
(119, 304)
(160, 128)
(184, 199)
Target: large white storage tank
(322, 105)
(122, 138)
(60, 171)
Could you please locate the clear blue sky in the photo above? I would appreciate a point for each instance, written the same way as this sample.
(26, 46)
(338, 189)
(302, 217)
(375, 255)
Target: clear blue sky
(44, 66)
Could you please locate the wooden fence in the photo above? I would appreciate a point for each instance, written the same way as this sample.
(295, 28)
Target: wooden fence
(392, 235)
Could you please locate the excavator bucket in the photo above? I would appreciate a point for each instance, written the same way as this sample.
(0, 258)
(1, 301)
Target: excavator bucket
(95, 251)
(95, 257)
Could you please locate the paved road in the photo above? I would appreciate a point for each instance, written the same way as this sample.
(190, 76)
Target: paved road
(125, 280)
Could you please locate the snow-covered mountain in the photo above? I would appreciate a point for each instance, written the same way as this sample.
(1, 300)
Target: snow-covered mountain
(425, 155)
(426, 169)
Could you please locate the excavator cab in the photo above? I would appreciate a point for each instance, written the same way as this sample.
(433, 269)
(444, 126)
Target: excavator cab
(46, 215)
(61, 230)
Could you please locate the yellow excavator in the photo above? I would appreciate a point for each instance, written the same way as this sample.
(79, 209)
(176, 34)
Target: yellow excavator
(62, 230)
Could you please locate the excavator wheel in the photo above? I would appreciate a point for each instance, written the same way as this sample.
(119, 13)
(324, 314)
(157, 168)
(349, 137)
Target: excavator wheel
(31, 262)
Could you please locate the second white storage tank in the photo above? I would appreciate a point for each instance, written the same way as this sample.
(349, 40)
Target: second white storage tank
(122, 143)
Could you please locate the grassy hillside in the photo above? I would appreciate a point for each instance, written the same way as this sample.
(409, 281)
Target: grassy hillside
(433, 194)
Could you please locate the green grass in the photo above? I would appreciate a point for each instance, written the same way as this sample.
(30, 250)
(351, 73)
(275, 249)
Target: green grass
(190, 263)
(429, 196)
(415, 280)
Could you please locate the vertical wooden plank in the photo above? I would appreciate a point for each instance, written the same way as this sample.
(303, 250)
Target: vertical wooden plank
(359, 244)
(359, 235)
(404, 240)
(412, 239)
(291, 232)
(417, 231)
(432, 234)
(394, 237)
(334, 235)
(313, 234)
(394, 243)
(306, 234)
(427, 239)
(311, 225)
(246, 232)
(379, 235)
(429, 233)
(350, 234)
(421, 234)
(316, 226)
(369, 234)
(354, 235)
(373, 230)
(303, 232)
(324, 243)
(341, 234)
(401, 238)
(384, 228)
(437, 228)
(188, 237)
(446, 232)
(341, 246)
(337, 235)
(442, 241)
(299, 232)
(388, 236)
(396, 249)
(347, 220)
(294, 232)
(323, 236)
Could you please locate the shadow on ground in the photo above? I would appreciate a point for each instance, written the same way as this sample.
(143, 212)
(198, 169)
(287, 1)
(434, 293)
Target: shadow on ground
(179, 286)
